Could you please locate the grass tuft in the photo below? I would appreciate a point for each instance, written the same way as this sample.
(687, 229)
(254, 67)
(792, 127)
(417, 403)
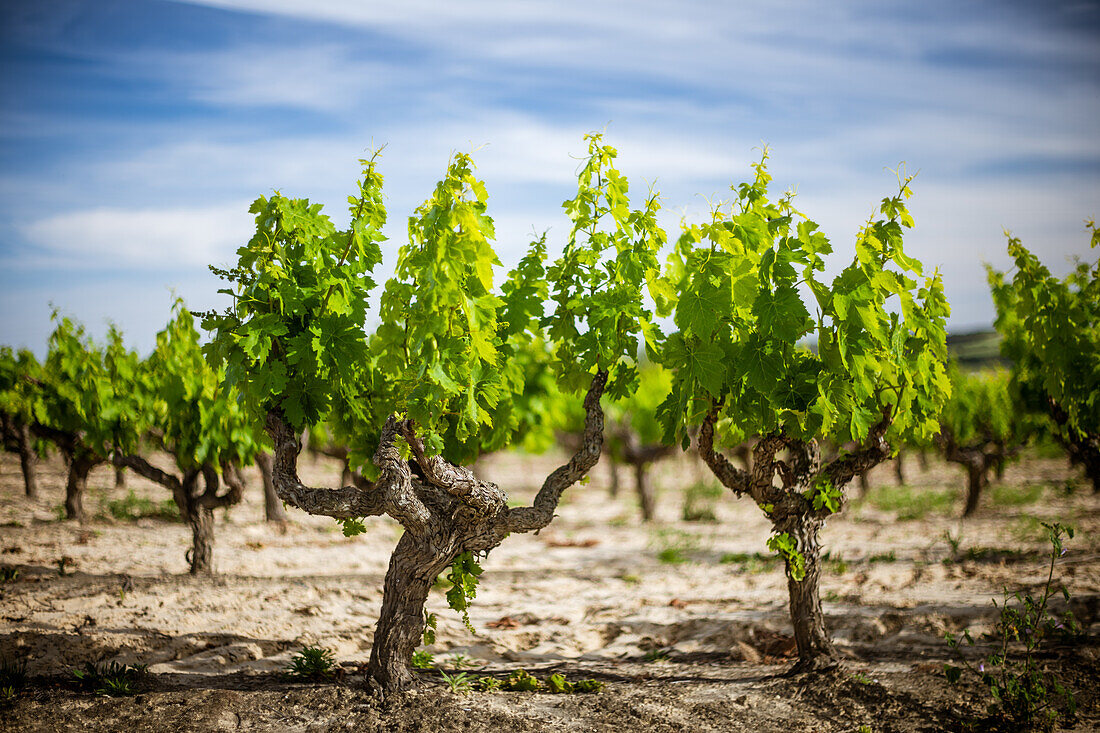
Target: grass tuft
(313, 663)
(911, 503)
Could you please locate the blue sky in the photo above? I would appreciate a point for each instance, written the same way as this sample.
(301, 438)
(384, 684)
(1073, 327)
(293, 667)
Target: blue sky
(133, 134)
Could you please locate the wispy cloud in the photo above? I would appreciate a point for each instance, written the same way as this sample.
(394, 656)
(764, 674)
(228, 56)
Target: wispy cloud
(114, 239)
(128, 151)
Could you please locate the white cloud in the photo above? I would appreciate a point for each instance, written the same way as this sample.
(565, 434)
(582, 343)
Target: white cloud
(323, 77)
(689, 89)
(119, 238)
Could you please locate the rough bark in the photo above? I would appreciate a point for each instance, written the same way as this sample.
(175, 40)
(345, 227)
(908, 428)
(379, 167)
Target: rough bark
(641, 457)
(413, 568)
(196, 506)
(975, 477)
(201, 520)
(17, 438)
(815, 649)
(273, 506)
(613, 477)
(28, 460)
(445, 511)
(793, 513)
(348, 502)
(978, 457)
(79, 468)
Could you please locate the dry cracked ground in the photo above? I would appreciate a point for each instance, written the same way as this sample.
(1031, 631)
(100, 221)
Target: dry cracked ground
(684, 622)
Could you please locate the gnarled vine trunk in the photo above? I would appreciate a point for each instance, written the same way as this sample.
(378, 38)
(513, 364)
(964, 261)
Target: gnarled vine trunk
(273, 505)
(796, 517)
(196, 506)
(17, 438)
(201, 520)
(79, 468)
(413, 568)
(28, 460)
(978, 458)
(613, 477)
(28, 464)
(975, 482)
(201, 554)
(641, 457)
(815, 648)
(445, 511)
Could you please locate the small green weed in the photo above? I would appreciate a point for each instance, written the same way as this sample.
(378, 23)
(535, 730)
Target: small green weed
(883, 557)
(911, 503)
(520, 681)
(700, 501)
(657, 655)
(133, 507)
(487, 684)
(558, 685)
(672, 556)
(458, 661)
(111, 679)
(422, 659)
(460, 682)
(953, 541)
(674, 546)
(1008, 495)
(836, 563)
(9, 574)
(753, 563)
(1028, 529)
(13, 678)
(313, 663)
(1026, 694)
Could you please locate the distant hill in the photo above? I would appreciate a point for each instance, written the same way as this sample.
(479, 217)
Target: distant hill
(977, 349)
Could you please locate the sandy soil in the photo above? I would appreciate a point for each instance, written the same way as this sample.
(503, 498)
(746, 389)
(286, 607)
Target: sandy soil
(698, 643)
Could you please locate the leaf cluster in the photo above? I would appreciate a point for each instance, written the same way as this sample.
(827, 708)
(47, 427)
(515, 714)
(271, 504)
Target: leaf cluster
(473, 365)
(196, 415)
(598, 316)
(89, 396)
(1050, 330)
(981, 408)
(464, 575)
(736, 286)
(293, 338)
